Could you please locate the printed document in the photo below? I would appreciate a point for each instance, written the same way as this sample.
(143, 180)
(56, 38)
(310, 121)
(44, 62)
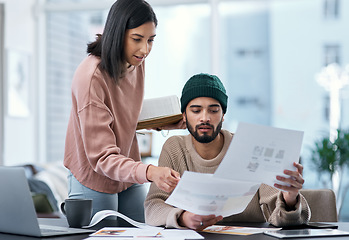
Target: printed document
(257, 154)
(99, 216)
(203, 194)
(143, 234)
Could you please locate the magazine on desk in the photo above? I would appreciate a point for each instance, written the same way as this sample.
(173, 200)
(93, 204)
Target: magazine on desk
(139, 231)
(159, 112)
(256, 155)
(237, 230)
(140, 234)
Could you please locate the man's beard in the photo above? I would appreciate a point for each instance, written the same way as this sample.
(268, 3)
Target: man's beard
(205, 138)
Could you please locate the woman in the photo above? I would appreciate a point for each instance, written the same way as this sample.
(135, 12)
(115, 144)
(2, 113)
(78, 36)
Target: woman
(101, 148)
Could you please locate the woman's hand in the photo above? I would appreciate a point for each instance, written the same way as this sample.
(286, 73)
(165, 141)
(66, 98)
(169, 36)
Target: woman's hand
(165, 178)
(295, 182)
(197, 222)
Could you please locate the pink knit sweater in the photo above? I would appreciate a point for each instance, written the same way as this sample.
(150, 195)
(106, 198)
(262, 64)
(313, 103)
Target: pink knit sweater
(101, 148)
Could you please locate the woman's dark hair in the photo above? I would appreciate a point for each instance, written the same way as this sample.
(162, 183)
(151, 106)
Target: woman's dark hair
(123, 15)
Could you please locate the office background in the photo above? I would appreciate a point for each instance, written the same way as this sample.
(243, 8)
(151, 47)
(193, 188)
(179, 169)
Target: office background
(268, 53)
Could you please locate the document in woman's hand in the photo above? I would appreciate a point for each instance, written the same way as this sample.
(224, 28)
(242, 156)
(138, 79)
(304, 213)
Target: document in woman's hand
(202, 194)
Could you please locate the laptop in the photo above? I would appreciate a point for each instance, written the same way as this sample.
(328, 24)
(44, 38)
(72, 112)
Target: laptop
(17, 211)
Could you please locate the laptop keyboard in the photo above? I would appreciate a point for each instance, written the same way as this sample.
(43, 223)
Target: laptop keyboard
(48, 230)
(52, 229)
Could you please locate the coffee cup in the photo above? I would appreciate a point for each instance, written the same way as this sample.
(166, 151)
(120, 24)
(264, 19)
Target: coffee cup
(77, 211)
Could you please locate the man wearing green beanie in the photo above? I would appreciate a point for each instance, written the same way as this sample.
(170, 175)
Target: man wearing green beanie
(203, 104)
(204, 85)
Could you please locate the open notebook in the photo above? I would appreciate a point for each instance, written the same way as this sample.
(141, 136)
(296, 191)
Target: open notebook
(159, 112)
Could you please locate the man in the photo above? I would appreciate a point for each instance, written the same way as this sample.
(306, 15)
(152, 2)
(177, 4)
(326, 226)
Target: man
(203, 104)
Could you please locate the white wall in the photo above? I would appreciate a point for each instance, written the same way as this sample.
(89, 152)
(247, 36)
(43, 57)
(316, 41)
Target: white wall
(20, 35)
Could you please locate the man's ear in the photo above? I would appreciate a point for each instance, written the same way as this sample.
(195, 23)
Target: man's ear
(223, 118)
(184, 116)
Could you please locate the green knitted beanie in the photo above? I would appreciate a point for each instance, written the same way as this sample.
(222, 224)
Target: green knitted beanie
(204, 85)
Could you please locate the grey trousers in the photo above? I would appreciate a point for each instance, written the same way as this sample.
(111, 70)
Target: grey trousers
(129, 202)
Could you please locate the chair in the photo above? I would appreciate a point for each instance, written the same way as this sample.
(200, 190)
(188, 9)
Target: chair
(322, 203)
(45, 202)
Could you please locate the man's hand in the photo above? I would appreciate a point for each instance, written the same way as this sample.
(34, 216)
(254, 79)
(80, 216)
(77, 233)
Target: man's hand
(295, 182)
(165, 178)
(197, 222)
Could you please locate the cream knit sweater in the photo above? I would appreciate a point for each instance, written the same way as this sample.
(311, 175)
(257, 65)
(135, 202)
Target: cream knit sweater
(267, 205)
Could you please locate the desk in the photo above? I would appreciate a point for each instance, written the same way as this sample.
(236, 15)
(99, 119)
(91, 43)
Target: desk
(208, 236)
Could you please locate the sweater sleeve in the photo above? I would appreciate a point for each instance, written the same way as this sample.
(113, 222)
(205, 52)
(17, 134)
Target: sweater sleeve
(101, 148)
(157, 212)
(274, 208)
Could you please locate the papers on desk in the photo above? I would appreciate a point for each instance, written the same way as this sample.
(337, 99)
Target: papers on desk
(139, 234)
(99, 216)
(140, 231)
(256, 155)
(237, 230)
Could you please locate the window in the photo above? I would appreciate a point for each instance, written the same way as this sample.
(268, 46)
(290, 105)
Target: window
(331, 54)
(181, 49)
(2, 13)
(268, 57)
(67, 36)
(245, 61)
(331, 9)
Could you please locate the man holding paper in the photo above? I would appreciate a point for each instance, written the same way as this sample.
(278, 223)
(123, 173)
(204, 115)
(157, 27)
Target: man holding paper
(203, 104)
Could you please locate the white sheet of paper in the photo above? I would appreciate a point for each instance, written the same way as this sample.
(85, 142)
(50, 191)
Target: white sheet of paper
(99, 216)
(203, 194)
(181, 234)
(141, 233)
(138, 238)
(162, 106)
(256, 155)
(259, 153)
(125, 232)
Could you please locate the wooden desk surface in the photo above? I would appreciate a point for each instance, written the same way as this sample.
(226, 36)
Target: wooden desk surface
(208, 236)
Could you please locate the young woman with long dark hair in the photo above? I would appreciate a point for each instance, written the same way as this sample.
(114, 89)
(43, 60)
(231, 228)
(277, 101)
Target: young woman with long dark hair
(101, 150)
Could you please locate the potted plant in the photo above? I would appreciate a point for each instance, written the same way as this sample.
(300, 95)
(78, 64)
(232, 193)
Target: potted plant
(330, 160)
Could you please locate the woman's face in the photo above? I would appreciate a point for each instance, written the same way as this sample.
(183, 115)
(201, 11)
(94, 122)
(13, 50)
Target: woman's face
(138, 43)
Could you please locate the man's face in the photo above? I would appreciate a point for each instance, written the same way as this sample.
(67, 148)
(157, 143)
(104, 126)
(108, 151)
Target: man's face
(204, 117)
